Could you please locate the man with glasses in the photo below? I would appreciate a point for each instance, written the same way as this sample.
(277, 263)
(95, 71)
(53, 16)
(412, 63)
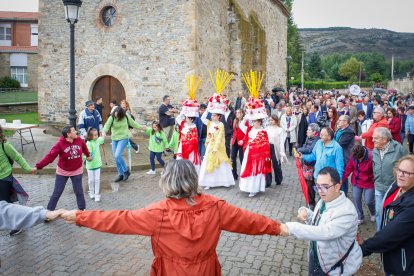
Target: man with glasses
(384, 156)
(379, 121)
(331, 229)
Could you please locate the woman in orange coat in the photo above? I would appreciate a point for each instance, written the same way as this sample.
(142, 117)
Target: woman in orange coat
(184, 228)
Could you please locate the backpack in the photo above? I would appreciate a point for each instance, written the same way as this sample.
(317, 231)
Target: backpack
(11, 161)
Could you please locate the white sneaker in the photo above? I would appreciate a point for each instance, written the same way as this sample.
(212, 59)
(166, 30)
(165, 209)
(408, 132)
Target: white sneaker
(150, 172)
(206, 188)
(91, 196)
(360, 221)
(137, 149)
(373, 218)
(97, 198)
(252, 194)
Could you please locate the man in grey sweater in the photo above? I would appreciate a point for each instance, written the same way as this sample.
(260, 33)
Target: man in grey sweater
(14, 216)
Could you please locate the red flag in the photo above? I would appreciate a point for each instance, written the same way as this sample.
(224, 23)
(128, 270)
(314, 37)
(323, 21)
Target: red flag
(302, 180)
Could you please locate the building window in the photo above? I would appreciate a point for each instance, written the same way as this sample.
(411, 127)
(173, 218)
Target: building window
(34, 35)
(108, 16)
(5, 33)
(20, 74)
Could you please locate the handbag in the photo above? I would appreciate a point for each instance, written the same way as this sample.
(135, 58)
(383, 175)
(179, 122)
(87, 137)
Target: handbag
(308, 171)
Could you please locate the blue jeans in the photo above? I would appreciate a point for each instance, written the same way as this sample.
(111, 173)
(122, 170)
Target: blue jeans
(379, 197)
(402, 137)
(369, 198)
(344, 187)
(117, 150)
(202, 147)
(159, 158)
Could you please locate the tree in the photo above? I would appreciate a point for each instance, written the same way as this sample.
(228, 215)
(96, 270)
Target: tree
(315, 66)
(350, 69)
(376, 77)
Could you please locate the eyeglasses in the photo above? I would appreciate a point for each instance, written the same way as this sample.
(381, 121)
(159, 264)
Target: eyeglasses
(404, 173)
(323, 187)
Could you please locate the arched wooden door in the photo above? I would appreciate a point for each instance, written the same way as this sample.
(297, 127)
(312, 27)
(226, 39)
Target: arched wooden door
(109, 88)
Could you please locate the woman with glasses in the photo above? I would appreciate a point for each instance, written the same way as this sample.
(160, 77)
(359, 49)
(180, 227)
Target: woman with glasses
(331, 229)
(395, 240)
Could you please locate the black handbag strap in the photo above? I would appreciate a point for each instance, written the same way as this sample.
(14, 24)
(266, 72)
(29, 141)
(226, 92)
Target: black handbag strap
(340, 263)
(8, 157)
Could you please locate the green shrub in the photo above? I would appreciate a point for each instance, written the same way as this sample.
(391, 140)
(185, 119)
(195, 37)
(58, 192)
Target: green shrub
(7, 82)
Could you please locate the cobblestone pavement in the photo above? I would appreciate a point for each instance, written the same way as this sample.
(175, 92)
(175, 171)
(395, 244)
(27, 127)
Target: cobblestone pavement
(60, 249)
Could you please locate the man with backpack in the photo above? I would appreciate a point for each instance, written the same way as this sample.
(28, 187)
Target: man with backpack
(89, 118)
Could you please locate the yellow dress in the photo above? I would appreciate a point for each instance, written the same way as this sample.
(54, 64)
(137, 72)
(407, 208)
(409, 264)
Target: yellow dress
(215, 169)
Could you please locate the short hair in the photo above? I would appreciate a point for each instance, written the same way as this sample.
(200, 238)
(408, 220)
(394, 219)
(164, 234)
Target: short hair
(384, 132)
(408, 157)
(203, 106)
(180, 180)
(165, 97)
(347, 118)
(361, 113)
(380, 109)
(66, 130)
(314, 127)
(402, 109)
(316, 106)
(333, 173)
(114, 102)
(98, 98)
(330, 132)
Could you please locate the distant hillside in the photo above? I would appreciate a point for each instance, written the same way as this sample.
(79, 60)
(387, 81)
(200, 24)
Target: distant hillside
(347, 40)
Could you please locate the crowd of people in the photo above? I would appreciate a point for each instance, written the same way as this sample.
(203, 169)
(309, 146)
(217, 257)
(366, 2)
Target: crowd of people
(218, 142)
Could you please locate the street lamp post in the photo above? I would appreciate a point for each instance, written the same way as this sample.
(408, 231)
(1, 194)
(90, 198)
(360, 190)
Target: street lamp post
(72, 14)
(288, 58)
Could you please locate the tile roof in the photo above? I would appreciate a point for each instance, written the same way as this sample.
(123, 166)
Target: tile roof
(19, 15)
(18, 49)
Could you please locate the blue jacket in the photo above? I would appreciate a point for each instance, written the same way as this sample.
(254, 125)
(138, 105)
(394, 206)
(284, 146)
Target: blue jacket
(331, 155)
(370, 109)
(409, 124)
(313, 118)
(88, 119)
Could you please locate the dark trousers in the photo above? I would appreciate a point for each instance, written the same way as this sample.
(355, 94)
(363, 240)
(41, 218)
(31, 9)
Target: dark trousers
(60, 183)
(344, 187)
(277, 169)
(228, 139)
(6, 189)
(290, 145)
(410, 139)
(133, 145)
(311, 193)
(234, 150)
(159, 158)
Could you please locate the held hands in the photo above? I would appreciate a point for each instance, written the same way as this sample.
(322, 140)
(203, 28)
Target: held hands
(89, 158)
(54, 214)
(34, 170)
(70, 216)
(284, 230)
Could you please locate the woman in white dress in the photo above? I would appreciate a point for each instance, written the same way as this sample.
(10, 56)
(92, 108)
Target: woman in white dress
(216, 170)
(277, 138)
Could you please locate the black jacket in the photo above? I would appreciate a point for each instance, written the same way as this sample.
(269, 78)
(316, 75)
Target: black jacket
(307, 148)
(346, 141)
(395, 240)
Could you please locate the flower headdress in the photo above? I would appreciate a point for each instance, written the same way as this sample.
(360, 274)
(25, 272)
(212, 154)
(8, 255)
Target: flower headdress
(255, 107)
(218, 103)
(191, 105)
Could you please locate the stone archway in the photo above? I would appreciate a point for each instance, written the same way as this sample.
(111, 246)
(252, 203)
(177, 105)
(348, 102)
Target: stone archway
(100, 70)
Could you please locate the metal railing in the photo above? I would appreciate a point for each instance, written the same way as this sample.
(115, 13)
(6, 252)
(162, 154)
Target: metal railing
(16, 96)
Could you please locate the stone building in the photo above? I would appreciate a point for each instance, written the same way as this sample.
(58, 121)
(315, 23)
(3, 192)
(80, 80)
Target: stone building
(142, 50)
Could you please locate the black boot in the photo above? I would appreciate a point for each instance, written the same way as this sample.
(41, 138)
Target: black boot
(126, 175)
(15, 232)
(119, 178)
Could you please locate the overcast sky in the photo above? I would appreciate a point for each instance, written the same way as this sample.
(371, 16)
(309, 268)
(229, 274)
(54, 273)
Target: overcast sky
(395, 15)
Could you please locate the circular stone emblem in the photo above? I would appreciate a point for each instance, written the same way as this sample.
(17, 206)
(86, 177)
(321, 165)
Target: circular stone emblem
(108, 16)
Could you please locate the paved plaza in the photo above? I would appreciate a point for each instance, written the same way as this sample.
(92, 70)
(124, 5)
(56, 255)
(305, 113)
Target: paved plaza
(59, 249)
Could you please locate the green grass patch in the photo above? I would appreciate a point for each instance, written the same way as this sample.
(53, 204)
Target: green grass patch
(18, 97)
(26, 118)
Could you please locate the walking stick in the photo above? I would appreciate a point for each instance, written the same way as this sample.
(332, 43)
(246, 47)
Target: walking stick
(104, 154)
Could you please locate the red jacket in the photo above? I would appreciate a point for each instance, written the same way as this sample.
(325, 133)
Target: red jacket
(395, 128)
(362, 172)
(70, 154)
(368, 135)
(238, 134)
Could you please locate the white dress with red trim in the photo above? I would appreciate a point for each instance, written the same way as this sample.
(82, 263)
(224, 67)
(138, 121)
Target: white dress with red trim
(188, 145)
(256, 162)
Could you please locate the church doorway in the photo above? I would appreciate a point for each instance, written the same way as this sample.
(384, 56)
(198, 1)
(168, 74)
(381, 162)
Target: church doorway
(109, 88)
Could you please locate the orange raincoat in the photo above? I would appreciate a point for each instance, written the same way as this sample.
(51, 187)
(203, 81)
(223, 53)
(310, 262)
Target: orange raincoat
(184, 238)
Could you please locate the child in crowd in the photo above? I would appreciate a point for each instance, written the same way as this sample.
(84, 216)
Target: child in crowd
(157, 144)
(173, 144)
(94, 166)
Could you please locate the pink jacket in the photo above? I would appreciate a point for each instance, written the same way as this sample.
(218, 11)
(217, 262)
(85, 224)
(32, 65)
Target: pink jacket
(362, 172)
